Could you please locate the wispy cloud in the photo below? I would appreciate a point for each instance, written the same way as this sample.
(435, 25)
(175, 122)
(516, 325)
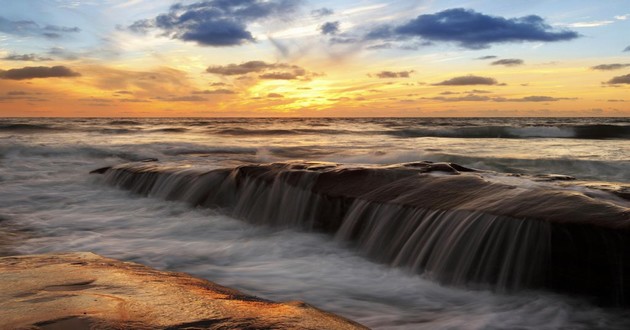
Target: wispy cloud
(610, 67)
(393, 74)
(484, 98)
(321, 12)
(26, 58)
(32, 28)
(508, 62)
(589, 24)
(277, 71)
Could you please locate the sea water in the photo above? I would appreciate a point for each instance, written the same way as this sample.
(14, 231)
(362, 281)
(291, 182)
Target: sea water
(49, 202)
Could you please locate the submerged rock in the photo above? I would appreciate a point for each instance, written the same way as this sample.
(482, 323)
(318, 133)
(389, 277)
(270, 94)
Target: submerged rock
(86, 291)
(452, 224)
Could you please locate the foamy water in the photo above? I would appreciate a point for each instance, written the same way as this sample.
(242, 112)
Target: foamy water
(50, 200)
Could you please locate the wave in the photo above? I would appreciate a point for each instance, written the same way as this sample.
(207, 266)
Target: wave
(510, 132)
(170, 130)
(455, 226)
(262, 131)
(27, 127)
(124, 122)
(117, 131)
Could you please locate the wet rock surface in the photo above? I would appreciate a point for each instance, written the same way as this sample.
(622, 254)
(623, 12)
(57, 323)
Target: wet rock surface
(85, 291)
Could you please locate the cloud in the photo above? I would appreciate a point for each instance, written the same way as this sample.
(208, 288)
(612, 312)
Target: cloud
(32, 72)
(215, 91)
(322, 12)
(392, 74)
(627, 49)
(610, 67)
(589, 24)
(534, 98)
(31, 28)
(620, 80)
(62, 53)
(22, 95)
(468, 80)
(129, 100)
(244, 68)
(473, 30)
(279, 71)
(274, 95)
(279, 76)
(508, 62)
(26, 57)
(488, 57)
(191, 98)
(329, 28)
(467, 98)
(484, 98)
(214, 22)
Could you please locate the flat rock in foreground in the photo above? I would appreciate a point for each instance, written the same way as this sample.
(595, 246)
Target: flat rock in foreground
(86, 291)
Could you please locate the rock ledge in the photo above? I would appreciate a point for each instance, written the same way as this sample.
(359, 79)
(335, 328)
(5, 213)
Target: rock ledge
(86, 291)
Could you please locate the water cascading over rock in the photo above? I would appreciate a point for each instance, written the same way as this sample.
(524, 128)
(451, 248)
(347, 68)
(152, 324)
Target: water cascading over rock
(452, 224)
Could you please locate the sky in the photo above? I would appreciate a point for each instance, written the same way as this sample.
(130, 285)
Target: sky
(304, 58)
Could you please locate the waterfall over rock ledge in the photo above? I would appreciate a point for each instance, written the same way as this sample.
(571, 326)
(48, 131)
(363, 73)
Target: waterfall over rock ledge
(452, 224)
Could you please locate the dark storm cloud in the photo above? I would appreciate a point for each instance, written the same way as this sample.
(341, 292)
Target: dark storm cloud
(473, 30)
(392, 74)
(32, 72)
(610, 67)
(329, 28)
(26, 57)
(321, 12)
(508, 62)
(279, 71)
(214, 22)
(620, 80)
(468, 80)
(31, 28)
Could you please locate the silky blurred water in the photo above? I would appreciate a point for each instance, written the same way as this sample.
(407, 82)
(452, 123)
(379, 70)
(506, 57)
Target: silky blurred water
(50, 203)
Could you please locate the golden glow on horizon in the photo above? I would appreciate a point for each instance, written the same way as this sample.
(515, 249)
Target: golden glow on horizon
(572, 89)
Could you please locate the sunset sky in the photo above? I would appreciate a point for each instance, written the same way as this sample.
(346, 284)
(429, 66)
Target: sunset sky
(135, 58)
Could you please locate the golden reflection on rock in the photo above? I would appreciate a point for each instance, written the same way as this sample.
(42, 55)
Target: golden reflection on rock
(85, 291)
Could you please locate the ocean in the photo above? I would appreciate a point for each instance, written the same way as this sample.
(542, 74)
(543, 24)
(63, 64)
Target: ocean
(50, 203)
